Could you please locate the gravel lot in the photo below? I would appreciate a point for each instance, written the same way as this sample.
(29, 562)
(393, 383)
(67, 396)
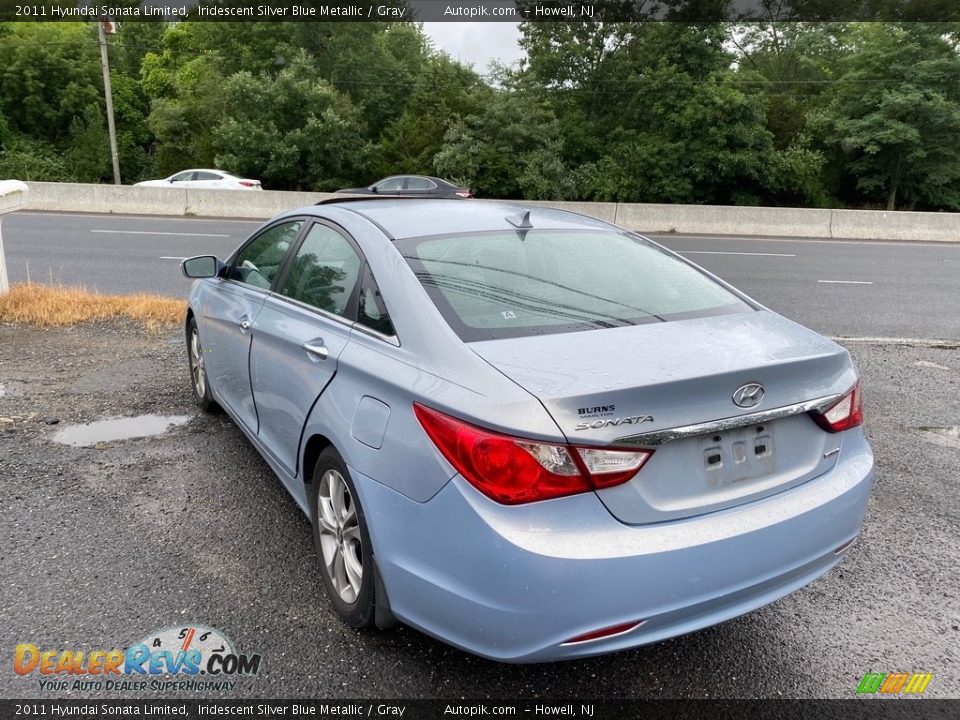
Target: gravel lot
(104, 544)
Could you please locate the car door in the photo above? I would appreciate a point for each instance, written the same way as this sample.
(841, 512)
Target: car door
(391, 185)
(301, 331)
(416, 185)
(207, 180)
(183, 179)
(230, 314)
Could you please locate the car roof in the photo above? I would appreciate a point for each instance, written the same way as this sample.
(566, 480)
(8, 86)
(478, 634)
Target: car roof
(412, 175)
(416, 217)
(210, 170)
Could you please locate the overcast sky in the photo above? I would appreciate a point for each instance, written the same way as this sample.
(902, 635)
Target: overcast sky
(476, 43)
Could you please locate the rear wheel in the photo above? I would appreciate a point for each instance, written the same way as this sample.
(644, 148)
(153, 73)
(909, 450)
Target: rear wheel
(343, 543)
(198, 371)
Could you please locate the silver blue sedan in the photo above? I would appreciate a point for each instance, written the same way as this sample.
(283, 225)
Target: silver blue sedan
(529, 433)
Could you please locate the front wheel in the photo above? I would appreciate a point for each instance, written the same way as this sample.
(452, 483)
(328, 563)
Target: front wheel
(198, 370)
(343, 543)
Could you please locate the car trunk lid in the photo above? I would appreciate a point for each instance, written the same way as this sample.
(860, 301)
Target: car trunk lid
(603, 387)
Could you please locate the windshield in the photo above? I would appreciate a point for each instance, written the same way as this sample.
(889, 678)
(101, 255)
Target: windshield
(498, 285)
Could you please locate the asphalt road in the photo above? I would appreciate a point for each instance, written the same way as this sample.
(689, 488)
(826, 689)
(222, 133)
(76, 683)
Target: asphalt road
(105, 544)
(839, 288)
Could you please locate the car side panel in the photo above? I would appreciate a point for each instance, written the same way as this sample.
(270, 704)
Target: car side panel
(287, 379)
(371, 370)
(372, 373)
(226, 345)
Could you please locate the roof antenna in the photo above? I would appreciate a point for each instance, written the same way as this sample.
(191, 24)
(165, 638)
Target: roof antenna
(521, 221)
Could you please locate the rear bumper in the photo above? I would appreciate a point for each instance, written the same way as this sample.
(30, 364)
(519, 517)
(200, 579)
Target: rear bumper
(515, 583)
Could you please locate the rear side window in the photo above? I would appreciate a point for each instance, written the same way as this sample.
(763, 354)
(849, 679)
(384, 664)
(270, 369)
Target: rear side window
(207, 176)
(324, 271)
(373, 310)
(259, 261)
(421, 183)
(497, 285)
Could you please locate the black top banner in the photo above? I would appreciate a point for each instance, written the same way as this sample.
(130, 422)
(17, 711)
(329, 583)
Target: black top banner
(687, 11)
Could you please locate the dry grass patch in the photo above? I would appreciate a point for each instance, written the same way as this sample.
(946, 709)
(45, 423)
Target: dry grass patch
(57, 305)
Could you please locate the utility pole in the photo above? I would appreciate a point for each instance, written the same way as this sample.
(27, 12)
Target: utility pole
(108, 93)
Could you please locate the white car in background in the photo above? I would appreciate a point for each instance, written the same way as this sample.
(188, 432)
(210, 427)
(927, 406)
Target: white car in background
(205, 180)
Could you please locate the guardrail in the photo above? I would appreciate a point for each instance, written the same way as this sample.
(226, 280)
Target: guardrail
(652, 218)
(13, 195)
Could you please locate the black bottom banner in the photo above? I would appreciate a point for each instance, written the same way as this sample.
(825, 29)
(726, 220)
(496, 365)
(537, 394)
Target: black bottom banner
(893, 709)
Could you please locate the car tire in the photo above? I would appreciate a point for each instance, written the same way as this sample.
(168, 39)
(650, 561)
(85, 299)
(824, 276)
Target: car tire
(342, 540)
(198, 372)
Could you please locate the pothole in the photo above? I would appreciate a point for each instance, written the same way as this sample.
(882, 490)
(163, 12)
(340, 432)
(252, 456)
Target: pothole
(124, 428)
(946, 436)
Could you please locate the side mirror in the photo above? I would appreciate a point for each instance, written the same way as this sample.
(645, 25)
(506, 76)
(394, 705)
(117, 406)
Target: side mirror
(202, 266)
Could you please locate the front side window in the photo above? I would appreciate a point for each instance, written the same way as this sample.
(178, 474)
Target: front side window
(182, 177)
(504, 284)
(390, 185)
(258, 263)
(207, 176)
(324, 271)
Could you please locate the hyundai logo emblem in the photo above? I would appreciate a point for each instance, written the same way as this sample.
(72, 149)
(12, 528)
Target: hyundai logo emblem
(748, 395)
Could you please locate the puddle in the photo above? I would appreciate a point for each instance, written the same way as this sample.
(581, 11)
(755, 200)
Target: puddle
(118, 429)
(946, 436)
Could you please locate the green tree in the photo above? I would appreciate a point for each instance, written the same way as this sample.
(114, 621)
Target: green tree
(49, 74)
(798, 61)
(24, 158)
(186, 85)
(688, 140)
(87, 156)
(498, 151)
(293, 130)
(445, 91)
(894, 114)
(186, 94)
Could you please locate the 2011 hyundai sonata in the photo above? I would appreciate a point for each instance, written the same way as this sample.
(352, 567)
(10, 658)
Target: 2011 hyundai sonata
(529, 433)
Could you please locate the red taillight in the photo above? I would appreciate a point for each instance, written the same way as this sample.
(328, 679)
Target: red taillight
(464, 194)
(514, 470)
(249, 183)
(845, 413)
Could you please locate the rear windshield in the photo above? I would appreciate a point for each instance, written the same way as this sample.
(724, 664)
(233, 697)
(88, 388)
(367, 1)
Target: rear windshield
(500, 285)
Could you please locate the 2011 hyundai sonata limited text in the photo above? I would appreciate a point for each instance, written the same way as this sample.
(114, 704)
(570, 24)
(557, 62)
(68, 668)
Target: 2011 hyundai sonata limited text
(529, 433)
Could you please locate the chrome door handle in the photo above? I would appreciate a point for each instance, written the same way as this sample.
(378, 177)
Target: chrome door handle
(316, 350)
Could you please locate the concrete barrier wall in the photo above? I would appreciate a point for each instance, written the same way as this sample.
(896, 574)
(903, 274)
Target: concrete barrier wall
(243, 204)
(651, 218)
(876, 224)
(725, 220)
(123, 200)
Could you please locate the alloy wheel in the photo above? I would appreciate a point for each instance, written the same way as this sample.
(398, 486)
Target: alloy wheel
(340, 541)
(197, 370)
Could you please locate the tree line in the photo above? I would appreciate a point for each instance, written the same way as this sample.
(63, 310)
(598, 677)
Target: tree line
(792, 114)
